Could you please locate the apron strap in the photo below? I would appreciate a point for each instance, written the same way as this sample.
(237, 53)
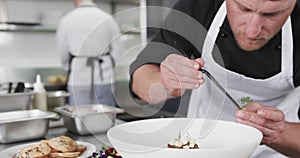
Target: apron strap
(213, 34)
(71, 57)
(287, 49)
(90, 63)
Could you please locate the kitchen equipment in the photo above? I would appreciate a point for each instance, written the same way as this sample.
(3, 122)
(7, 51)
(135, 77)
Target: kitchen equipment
(10, 87)
(39, 100)
(149, 138)
(56, 99)
(20, 87)
(88, 119)
(15, 101)
(14, 87)
(220, 87)
(24, 125)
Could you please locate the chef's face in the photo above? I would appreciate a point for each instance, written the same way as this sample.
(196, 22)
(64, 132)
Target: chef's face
(255, 22)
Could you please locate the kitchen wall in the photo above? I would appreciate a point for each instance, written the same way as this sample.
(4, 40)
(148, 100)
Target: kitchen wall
(27, 51)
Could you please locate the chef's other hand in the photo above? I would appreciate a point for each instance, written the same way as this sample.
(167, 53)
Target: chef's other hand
(180, 73)
(270, 121)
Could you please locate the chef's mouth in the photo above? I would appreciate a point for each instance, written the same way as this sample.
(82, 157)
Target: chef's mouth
(252, 41)
(251, 44)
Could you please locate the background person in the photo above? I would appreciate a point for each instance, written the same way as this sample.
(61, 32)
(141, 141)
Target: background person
(258, 44)
(85, 39)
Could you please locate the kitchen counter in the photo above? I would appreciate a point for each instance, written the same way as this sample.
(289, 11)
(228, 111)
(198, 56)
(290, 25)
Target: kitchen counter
(98, 140)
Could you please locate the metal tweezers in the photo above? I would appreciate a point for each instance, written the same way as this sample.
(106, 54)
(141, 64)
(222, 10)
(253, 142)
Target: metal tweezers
(220, 87)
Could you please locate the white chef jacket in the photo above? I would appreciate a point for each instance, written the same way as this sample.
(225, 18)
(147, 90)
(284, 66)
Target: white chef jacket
(277, 91)
(88, 33)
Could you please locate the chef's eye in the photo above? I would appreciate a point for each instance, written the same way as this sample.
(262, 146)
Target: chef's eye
(270, 14)
(244, 9)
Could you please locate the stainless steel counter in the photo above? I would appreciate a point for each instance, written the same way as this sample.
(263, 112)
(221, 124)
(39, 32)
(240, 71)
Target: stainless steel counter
(98, 140)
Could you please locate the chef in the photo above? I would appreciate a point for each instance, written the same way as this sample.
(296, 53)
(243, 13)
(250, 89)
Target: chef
(86, 41)
(251, 47)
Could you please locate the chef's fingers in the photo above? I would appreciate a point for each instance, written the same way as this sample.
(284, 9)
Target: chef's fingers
(254, 106)
(259, 120)
(271, 114)
(175, 84)
(172, 74)
(186, 79)
(264, 130)
(267, 140)
(180, 66)
(168, 76)
(181, 74)
(178, 73)
(195, 64)
(251, 117)
(267, 112)
(175, 92)
(200, 61)
(270, 134)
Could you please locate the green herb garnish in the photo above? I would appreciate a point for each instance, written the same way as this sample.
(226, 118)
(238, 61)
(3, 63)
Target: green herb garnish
(246, 100)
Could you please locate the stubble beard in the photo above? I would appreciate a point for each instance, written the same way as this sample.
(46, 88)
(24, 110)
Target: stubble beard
(248, 46)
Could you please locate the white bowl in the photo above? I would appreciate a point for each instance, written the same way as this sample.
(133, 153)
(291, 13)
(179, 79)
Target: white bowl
(216, 139)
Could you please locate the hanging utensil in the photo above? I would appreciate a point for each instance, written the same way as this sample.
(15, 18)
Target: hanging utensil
(10, 84)
(20, 87)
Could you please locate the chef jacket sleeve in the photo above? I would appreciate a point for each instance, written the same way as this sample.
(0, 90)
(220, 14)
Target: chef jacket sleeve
(62, 46)
(164, 42)
(117, 47)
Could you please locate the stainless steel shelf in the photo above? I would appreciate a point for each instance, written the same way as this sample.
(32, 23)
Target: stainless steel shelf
(18, 28)
(121, 1)
(113, 1)
(131, 32)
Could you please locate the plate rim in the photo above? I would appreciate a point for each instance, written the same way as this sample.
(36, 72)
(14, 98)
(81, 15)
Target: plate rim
(8, 151)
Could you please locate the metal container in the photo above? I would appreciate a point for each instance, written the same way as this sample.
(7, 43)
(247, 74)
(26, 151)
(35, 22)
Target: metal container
(24, 125)
(15, 101)
(88, 119)
(56, 99)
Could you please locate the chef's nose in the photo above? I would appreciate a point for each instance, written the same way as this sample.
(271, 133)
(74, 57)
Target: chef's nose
(254, 26)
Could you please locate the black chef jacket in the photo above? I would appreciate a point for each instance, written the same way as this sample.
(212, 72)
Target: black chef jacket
(260, 64)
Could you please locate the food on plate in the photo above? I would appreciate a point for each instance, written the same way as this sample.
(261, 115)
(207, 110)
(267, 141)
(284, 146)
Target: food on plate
(106, 152)
(179, 143)
(70, 154)
(58, 147)
(62, 144)
(39, 150)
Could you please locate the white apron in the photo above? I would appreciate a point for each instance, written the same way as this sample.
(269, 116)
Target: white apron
(208, 102)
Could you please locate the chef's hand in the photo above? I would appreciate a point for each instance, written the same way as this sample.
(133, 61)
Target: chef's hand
(270, 121)
(180, 73)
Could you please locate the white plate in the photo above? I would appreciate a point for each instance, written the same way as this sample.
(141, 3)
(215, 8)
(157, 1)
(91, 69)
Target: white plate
(10, 152)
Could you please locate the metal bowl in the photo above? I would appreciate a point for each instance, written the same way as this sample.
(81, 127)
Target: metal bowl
(15, 101)
(24, 125)
(88, 119)
(56, 99)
